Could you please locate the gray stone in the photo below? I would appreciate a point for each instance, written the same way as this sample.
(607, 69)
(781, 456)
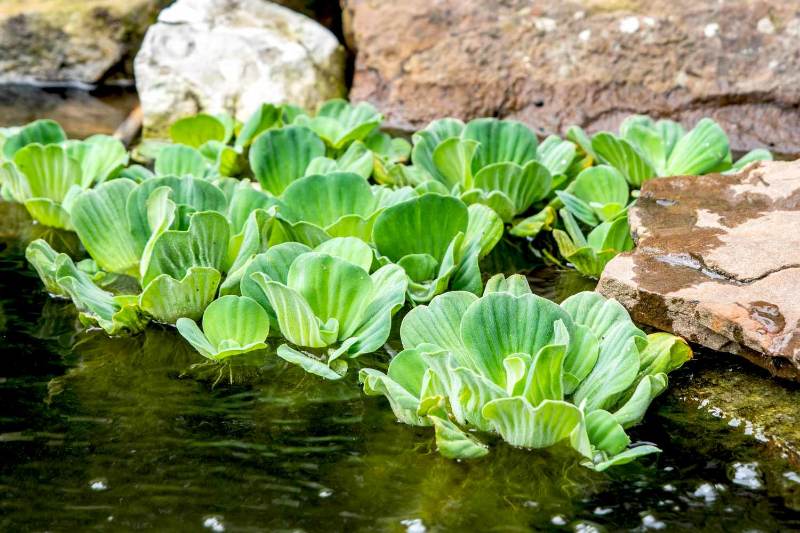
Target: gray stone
(69, 41)
(554, 63)
(231, 56)
(718, 262)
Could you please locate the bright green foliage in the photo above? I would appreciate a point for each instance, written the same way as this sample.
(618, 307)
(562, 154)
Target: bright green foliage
(532, 371)
(438, 241)
(37, 132)
(590, 254)
(326, 298)
(339, 123)
(340, 204)
(279, 157)
(492, 162)
(232, 325)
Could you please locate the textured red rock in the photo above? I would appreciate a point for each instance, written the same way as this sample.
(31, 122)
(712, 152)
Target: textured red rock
(718, 262)
(591, 62)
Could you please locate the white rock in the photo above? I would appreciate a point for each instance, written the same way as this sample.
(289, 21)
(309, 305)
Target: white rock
(231, 56)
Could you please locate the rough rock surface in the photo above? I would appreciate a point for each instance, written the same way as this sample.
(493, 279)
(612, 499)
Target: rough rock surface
(231, 56)
(554, 63)
(718, 262)
(71, 41)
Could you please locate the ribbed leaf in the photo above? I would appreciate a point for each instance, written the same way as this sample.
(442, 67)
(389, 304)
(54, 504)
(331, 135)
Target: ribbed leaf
(438, 323)
(101, 157)
(621, 155)
(484, 231)
(545, 377)
(43, 132)
(602, 184)
(500, 324)
(49, 170)
(632, 411)
(501, 141)
(323, 200)
(167, 299)
(334, 289)
(99, 219)
(388, 295)
(605, 433)
(426, 141)
(204, 244)
(43, 258)
(520, 424)
(180, 160)
(699, 151)
(453, 160)
(197, 130)
(274, 264)
(555, 154)
(522, 185)
(267, 116)
(279, 157)
(311, 364)
(515, 285)
(406, 228)
(194, 193)
(235, 318)
(474, 391)
(454, 443)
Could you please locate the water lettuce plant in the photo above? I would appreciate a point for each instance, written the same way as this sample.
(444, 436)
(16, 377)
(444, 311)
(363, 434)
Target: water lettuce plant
(232, 325)
(47, 178)
(531, 371)
(318, 207)
(438, 241)
(325, 301)
(494, 162)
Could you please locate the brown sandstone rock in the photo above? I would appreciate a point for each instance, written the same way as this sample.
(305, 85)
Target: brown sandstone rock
(555, 63)
(718, 262)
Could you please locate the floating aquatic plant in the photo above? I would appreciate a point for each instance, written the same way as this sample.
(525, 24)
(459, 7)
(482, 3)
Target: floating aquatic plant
(533, 372)
(326, 299)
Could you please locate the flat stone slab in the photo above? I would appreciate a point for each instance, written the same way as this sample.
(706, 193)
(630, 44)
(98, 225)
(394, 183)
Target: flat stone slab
(555, 63)
(718, 262)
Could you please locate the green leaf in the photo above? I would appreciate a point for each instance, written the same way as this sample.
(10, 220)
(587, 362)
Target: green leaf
(453, 443)
(204, 244)
(266, 117)
(484, 231)
(388, 295)
(663, 354)
(48, 213)
(621, 155)
(615, 370)
(545, 377)
(39, 131)
(14, 182)
(759, 154)
(625, 457)
(339, 123)
(500, 324)
(335, 289)
(501, 141)
(521, 424)
(232, 325)
(311, 364)
(43, 259)
(99, 219)
(49, 170)
(406, 229)
(648, 142)
(556, 154)
(602, 184)
(472, 392)
(425, 142)
(279, 157)
(274, 264)
(633, 410)
(605, 433)
(116, 315)
(324, 200)
(522, 185)
(533, 225)
(101, 158)
(699, 151)
(438, 323)
(515, 285)
(295, 317)
(179, 160)
(350, 249)
(197, 130)
(190, 194)
(166, 299)
(453, 160)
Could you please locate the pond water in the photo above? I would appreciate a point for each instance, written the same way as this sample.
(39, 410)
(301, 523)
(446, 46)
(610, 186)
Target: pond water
(124, 433)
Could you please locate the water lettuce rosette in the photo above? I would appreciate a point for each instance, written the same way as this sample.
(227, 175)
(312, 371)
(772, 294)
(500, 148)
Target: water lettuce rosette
(531, 371)
(328, 303)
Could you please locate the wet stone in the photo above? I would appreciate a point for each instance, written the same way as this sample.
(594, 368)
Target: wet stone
(718, 262)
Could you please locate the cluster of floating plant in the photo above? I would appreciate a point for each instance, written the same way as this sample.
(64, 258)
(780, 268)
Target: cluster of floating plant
(315, 230)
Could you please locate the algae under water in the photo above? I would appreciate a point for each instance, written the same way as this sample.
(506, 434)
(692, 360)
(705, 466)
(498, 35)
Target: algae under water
(120, 434)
